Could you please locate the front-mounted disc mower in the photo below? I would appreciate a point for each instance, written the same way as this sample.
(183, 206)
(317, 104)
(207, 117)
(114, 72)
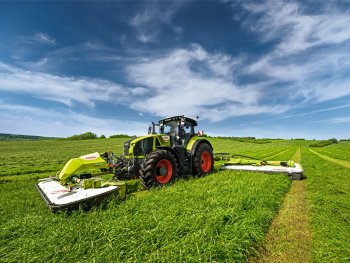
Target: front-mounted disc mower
(172, 149)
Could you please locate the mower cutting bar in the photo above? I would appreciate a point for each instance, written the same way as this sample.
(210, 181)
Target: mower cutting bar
(294, 173)
(58, 197)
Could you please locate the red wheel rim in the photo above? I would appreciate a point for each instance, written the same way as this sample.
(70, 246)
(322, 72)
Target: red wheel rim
(206, 161)
(164, 171)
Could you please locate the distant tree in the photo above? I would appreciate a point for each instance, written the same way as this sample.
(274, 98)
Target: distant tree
(120, 136)
(83, 136)
(102, 137)
(333, 140)
(323, 143)
(8, 137)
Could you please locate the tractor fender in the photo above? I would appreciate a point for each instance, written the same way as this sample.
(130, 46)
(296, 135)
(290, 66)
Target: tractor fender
(197, 143)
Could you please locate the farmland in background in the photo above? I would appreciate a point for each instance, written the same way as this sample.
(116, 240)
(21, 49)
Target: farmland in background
(217, 218)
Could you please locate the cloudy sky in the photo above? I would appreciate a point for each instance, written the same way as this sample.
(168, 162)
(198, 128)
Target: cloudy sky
(246, 68)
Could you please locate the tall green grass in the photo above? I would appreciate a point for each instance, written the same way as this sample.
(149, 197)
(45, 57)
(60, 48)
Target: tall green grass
(48, 156)
(221, 217)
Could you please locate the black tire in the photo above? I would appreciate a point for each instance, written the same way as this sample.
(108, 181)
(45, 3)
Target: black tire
(158, 168)
(203, 160)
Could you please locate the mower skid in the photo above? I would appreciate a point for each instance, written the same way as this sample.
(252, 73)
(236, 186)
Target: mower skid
(57, 197)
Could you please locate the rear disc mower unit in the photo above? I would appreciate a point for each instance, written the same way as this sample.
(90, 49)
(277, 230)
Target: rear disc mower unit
(245, 163)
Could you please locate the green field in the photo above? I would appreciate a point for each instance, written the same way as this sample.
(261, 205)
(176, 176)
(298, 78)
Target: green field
(223, 217)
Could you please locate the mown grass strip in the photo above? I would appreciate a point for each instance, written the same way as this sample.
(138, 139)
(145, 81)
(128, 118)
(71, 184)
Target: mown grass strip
(333, 160)
(272, 156)
(340, 151)
(297, 156)
(289, 236)
(328, 193)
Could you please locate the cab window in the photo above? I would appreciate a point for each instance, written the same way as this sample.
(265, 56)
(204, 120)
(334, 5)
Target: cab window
(170, 127)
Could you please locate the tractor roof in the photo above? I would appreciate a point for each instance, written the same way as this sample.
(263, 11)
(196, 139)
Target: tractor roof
(178, 118)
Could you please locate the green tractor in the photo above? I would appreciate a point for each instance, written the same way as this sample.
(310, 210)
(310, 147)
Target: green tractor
(171, 149)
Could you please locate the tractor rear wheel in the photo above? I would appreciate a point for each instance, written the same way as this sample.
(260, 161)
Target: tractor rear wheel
(158, 168)
(203, 160)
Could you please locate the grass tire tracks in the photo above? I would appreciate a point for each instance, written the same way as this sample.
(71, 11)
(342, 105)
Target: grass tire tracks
(289, 236)
(333, 160)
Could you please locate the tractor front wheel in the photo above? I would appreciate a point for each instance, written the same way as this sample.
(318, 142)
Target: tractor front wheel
(158, 168)
(203, 160)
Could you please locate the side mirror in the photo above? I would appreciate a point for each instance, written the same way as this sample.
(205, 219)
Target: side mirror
(149, 129)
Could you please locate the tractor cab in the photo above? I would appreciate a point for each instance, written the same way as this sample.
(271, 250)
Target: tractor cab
(179, 128)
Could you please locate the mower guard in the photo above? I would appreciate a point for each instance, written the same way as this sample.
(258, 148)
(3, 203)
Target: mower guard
(57, 197)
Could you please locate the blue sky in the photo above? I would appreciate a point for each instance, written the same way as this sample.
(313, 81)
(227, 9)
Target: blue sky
(246, 68)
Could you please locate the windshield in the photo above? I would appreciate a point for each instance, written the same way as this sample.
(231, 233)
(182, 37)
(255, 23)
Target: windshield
(169, 127)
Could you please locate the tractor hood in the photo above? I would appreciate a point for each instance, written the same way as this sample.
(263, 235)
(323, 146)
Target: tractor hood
(143, 145)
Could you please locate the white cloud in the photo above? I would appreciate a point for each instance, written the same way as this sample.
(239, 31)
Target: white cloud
(139, 91)
(337, 120)
(196, 82)
(38, 37)
(311, 54)
(21, 119)
(185, 81)
(295, 29)
(312, 112)
(67, 90)
(149, 22)
(308, 63)
(334, 120)
(58, 58)
(332, 89)
(43, 38)
(147, 37)
(316, 77)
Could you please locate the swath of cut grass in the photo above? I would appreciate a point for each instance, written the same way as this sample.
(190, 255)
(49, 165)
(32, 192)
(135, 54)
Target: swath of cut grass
(289, 236)
(328, 193)
(339, 151)
(333, 160)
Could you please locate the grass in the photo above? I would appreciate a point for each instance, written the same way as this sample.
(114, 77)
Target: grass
(223, 217)
(333, 160)
(338, 151)
(289, 236)
(46, 157)
(313, 224)
(328, 193)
